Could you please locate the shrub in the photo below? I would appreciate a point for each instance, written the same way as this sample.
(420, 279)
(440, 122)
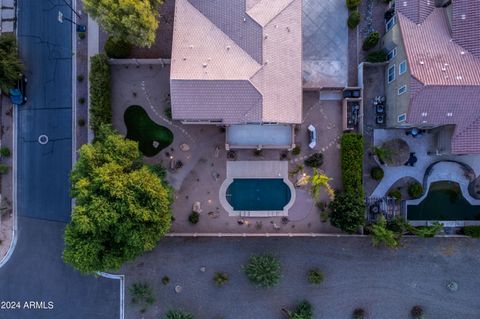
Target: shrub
(314, 160)
(263, 270)
(304, 310)
(415, 189)
(371, 41)
(324, 216)
(220, 278)
(3, 169)
(381, 234)
(257, 152)
(347, 211)
(177, 314)
(353, 19)
(351, 162)
(395, 193)
(168, 113)
(81, 122)
(425, 231)
(165, 280)
(194, 217)
(472, 231)
(417, 312)
(81, 100)
(315, 276)
(80, 78)
(5, 152)
(81, 35)
(100, 109)
(352, 4)
(117, 49)
(376, 173)
(296, 150)
(142, 295)
(10, 67)
(358, 313)
(377, 57)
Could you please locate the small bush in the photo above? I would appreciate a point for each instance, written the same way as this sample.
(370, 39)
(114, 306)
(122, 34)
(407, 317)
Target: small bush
(376, 173)
(3, 169)
(165, 280)
(257, 152)
(81, 100)
(395, 193)
(353, 19)
(5, 152)
(117, 49)
(168, 113)
(296, 150)
(177, 314)
(81, 122)
(81, 35)
(142, 295)
(304, 310)
(314, 160)
(377, 57)
(194, 217)
(352, 4)
(417, 312)
(472, 231)
(315, 276)
(263, 270)
(358, 313)
(220, 278)
(324, 216)
(80, 78)
(415, 190)
(371, 41)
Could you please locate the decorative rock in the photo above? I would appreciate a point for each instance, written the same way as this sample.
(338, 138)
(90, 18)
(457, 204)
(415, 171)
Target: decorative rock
(178, 289)
(452, 286)
(197, 207)
(184, 147)
(155, 144)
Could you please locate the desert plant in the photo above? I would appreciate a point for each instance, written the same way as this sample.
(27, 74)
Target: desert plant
(353, 19)
(81, 35)
(352, 4)
(296, 150)
(177, 314)
(165, 280)
(315, 276)
(324, 216)
(220, 278)
(303, 310)
(415, 189)
(371, 41)
(5, 152)
(117, 48)
(358, 313)
(3, 169)
(168, 113)
(384, 154)
(80, 78)
(142, 295)
(263, 270)
(380, 234)
(376, 173)
(314, 160)
(81, 122)
(194, 217)
(395, 193)
(81, 100)
(377, 57)
(417, 312)
(425, 231)
(472, 231)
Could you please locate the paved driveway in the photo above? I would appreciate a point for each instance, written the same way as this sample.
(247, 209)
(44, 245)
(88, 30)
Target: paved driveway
(385, 282)
(325, 43)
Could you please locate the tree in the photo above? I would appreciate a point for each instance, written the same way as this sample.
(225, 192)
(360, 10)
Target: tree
(117, 48)
(320, 180)
(122, 207)
(380, 234)
(347, 211)
(130, 20)
(263, 270)
(10, 66)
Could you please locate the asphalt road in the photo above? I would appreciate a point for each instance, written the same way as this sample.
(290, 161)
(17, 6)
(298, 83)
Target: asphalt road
(36, 272)
(387, 283)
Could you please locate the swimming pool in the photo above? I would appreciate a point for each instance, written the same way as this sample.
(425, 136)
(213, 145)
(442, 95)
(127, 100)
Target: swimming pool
(254, 194)
(444, 201)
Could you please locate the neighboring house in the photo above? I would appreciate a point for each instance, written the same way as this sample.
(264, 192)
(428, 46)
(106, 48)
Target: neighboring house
(238, 63)
(433, 74)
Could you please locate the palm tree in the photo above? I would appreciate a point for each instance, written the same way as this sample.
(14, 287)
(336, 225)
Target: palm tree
(318, 181)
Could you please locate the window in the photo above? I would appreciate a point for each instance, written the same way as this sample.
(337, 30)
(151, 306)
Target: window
(391, 73)
(390, 23)
(402, 67)
(402, 117)
(391, 54)
(402, 89)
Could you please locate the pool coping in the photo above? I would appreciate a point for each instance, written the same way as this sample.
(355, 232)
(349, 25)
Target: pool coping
(260, 170)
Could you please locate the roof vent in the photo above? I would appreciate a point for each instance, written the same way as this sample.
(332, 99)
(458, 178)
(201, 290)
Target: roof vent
(244, 19)
(266, 62)
(276, 26)
(228, 48)
(404, 3)
(463, 17)
(191, 46)
(424, 121)
(184, 58)
(421, 62)
(424, 114)
(449, 114)
(266, 36)
(204, 65)
(462, 53)
(444, 70)
(288, 29)
(458, 77)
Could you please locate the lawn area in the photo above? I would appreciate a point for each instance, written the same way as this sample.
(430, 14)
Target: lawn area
(151, 137)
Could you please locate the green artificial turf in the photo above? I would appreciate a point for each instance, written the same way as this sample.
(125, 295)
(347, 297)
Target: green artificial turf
(142, 129)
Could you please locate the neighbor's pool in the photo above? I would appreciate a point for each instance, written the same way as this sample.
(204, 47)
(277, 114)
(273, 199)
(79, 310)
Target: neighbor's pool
(444, 201)
(258, 194)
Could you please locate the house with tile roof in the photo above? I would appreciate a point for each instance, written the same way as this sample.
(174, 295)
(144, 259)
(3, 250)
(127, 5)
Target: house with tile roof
(238, 63)
(433, 74)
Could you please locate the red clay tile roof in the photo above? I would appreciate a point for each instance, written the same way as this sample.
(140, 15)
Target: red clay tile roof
(445, 68)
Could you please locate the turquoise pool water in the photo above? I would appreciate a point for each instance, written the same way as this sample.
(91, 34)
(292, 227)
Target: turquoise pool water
(444, 202)
(258, 194)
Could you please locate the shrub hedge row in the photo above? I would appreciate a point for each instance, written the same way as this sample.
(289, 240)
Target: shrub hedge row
(472, 231)
(351, 162)
(100, 108)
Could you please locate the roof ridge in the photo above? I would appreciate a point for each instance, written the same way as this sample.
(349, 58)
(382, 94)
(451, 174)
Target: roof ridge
(272, 17)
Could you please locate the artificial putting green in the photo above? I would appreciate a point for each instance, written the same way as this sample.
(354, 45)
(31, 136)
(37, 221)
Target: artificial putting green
(142, 129)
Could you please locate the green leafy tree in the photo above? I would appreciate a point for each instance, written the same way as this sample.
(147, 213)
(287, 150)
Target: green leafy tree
(304, 310)
(122, 207)
(381, 234)
(347, 211)
(177, 314)
(263, 270)
(10, 66)
(318, 181)
(133, 21)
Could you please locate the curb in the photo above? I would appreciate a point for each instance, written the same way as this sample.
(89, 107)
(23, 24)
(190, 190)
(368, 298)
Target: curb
(122, 289)
(300, 235)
